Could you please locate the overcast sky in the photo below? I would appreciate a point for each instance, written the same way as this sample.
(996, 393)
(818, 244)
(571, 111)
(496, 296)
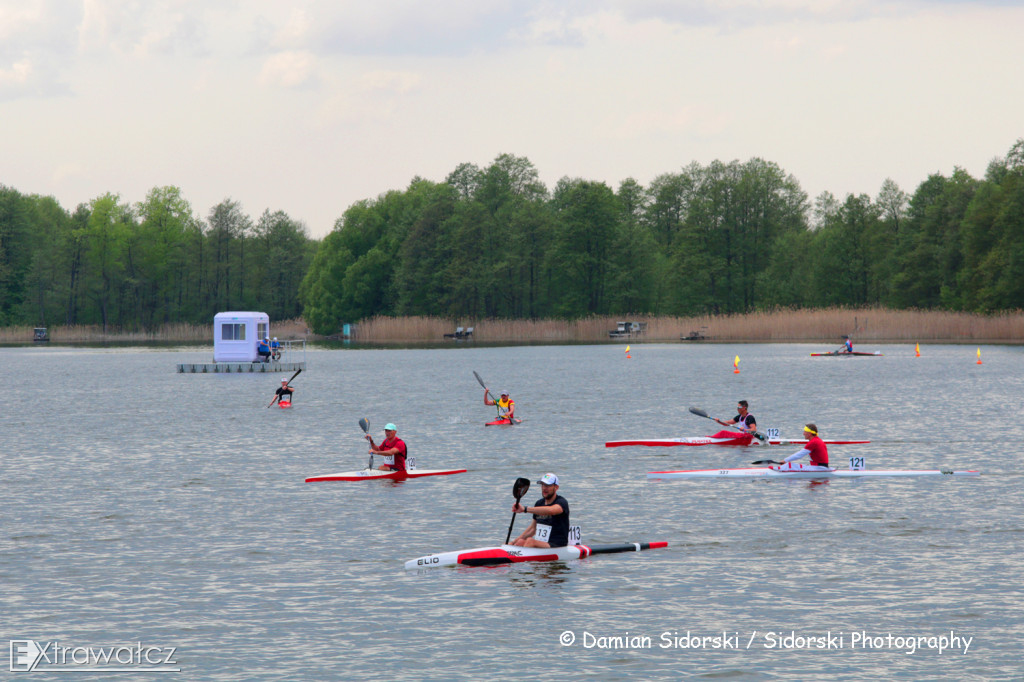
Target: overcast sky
(307, 106)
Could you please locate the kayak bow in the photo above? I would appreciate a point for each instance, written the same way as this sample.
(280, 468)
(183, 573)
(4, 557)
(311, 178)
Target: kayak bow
(379, 474)
(503, 422)
(509, 554)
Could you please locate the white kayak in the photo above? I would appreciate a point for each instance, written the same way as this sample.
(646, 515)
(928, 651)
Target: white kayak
(765, 472)
(510, 554)
(711, 440)
(378, 474)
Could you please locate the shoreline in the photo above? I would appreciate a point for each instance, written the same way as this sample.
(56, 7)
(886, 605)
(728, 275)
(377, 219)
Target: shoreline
(829, 327)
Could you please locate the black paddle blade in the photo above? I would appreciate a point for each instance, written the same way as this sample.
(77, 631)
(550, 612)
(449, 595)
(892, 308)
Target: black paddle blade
(364, 424)
(479, 379)
(766, 461)
(699, 412)
(520, 487)
(297, 373)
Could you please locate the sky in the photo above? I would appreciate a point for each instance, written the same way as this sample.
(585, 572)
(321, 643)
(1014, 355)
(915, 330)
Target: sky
(309, 106)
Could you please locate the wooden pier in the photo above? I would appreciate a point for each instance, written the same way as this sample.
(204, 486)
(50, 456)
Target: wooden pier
(238, 367)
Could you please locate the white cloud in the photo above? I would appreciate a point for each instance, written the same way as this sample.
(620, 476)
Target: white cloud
(289, 70)
(17, 75)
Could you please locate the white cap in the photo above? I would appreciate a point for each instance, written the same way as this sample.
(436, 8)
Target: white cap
(548, 479)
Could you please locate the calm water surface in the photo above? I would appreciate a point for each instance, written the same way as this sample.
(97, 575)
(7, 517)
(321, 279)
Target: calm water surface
(142, 505)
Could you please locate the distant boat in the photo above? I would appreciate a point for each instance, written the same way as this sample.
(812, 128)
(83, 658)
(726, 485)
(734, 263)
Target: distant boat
(846, 354)
(40, 335)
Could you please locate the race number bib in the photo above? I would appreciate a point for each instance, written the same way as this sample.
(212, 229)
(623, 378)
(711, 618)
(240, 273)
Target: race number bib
(575, 537)
(410, 463)
(857, 464)
(771, 433)
(388, 459)
(543, 533)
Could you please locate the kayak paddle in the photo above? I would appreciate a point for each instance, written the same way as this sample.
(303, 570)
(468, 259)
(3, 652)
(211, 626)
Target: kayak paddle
(364, 424)
(488, 392)
(286, 383)
(519, 489)
(701, 413)
(767, 461)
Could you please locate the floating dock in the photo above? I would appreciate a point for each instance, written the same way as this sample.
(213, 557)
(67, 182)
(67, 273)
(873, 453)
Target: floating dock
(238, 367)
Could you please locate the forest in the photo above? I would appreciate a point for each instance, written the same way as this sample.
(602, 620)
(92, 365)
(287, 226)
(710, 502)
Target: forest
(135, 267)
(495, 243)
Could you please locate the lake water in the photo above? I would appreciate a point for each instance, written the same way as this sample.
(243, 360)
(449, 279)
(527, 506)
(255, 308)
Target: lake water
(144, 506)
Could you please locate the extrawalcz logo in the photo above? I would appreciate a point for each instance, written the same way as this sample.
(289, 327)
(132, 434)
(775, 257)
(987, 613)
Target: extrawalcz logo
(28, 656)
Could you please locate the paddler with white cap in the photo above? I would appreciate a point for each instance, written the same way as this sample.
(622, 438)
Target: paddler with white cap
(550, 526)
(815, 447)
(391, 446)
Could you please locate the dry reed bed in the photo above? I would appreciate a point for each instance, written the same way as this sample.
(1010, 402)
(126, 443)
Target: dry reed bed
(872, 324)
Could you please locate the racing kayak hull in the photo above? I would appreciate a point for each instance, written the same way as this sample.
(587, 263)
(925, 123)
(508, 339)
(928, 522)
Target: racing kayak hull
(503, 422)
(509, 554)
(285, 406)
(844, 354)
(711, 440)
(762, 472)
(378, 474)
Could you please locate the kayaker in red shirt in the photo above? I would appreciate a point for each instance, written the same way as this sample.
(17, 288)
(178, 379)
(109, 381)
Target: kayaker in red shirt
(506, 406)
(392, 446)
(815, 447)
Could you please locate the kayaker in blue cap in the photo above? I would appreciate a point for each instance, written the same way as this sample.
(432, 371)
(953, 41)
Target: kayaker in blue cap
(392, 446)
(506, 406)
(550, 526)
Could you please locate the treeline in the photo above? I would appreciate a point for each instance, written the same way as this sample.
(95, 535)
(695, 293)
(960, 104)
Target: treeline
(723, 238)
(136, 267)
(494, 242)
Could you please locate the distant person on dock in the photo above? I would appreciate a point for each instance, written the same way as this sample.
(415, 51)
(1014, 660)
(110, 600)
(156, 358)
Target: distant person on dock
(263, 349)
(815, 447)
(391, 446)
(550, 527)
(743, 420)
(275, 349)
(506, 406)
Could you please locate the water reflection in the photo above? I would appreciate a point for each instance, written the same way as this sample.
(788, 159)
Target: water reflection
(526, 574)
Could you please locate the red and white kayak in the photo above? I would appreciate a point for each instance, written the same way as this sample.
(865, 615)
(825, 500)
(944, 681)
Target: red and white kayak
(379, 474)
(721, 439)
(503, 422)
(764, 472)
(509, 554)
(285, 405)
(845, 354)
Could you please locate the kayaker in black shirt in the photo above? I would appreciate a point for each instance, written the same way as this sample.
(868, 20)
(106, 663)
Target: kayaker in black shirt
(284, 394)
(744, 420)
(550, 526)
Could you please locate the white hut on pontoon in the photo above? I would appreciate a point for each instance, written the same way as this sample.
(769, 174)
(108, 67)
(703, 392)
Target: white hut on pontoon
(236, 336)
(236, 340)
